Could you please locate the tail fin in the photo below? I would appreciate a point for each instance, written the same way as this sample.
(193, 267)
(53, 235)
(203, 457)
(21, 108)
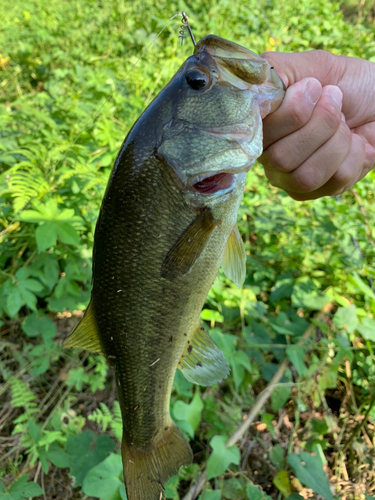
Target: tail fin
(145, 473)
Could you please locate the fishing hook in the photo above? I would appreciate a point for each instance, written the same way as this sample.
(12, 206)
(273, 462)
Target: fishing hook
(185, 25)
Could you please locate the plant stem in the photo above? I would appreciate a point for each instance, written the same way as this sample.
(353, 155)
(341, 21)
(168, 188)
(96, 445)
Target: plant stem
(360, 425)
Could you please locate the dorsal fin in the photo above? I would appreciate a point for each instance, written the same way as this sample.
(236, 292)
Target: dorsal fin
(189, 246)
(85, 334)
(202, 362)
(234, 262)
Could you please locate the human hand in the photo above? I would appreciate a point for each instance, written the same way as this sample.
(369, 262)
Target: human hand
(321, 140)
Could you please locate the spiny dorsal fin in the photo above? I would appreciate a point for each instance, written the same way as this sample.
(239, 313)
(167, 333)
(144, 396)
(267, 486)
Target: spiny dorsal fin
(85, 334)
(202, 362)
(234, 262)
(189, 246)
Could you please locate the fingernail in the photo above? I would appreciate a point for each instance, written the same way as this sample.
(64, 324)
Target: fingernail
(313, 90)
(335, 94)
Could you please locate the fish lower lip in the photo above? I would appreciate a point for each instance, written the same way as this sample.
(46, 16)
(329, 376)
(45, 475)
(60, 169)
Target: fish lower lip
(214, 183)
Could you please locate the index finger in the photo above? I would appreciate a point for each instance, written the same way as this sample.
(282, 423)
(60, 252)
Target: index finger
(294, 112)
(319, 64)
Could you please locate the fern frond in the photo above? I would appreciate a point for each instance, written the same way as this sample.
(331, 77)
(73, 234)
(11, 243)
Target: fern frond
(22, 397)
(103, 417)
(116, 425)
(26, 186)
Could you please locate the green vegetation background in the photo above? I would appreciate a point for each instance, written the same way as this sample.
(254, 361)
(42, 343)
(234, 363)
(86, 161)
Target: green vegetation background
(69, 92)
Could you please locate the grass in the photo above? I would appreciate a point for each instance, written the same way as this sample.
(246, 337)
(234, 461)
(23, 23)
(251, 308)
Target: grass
(73, 78)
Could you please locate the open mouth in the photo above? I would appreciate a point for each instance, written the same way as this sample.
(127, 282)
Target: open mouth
(214, 183)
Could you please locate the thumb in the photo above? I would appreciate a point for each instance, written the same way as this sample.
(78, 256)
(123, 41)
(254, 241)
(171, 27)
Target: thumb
(318, 64)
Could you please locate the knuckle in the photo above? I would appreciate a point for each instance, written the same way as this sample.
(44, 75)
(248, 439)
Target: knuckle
(345, 134)
(299, 115)
(334, 190)
(278, 156)
(342, 178)
(330, 113)
(322, 56)
(306, 179)
(297, 196)
(263, 159)
(325, 60)
(271, 177)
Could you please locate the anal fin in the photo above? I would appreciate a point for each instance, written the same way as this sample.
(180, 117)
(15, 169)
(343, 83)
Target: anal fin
(202, 362)
(85, 334)
(234, 261)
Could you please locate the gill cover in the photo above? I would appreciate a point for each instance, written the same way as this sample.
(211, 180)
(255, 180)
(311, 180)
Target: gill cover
(243, 69)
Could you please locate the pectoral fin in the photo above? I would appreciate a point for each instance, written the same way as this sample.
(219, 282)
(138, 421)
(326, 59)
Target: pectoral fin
(202, 361)
(85, 334)
(234, 262)
(189, 246)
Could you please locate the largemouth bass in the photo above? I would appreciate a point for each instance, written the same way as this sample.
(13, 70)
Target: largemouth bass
(167, 223)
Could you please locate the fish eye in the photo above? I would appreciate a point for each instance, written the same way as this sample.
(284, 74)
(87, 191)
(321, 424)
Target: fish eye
(196, 79)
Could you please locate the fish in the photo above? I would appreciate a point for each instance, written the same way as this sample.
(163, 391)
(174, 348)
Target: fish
(167, 222)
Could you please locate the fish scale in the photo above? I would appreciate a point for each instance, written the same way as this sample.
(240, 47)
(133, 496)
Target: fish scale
(167, 222)
(138, 308)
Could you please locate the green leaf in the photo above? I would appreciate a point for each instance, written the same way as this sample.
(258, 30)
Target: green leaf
(306, 295)
(30, 284)
(267, 419)
(46, 236)
(14, 302)
(239, 361)
(210, 495)
(368, 497)
(280, 396)
(67, 234)
(233, 489)
(213, 316)
(254, 493)
(171, 488)
(103, 481)
(277, 456)
(296, 355)
(40, 366)
(308, 469)
(346, 317)
(282, 483)
(191, 413)
(77, 377)
(367, 329)
(28, 298)
(86, 452)
(356, 280)
(185, 427)
(58, 456)
(34, 431)
(319, 426)
(328, 379)
(282, 290)
(21, 489)
(221, 457)
(35, 325)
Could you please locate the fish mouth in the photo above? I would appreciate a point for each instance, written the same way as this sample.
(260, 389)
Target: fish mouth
(205, 184)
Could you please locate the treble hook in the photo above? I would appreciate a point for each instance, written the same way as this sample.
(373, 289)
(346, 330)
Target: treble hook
(185, 25)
